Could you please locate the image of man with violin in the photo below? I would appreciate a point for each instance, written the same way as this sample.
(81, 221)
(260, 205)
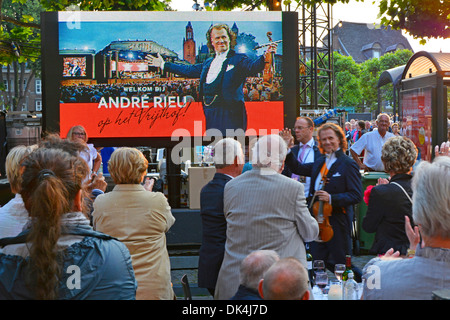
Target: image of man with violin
(221, 78)
(335, 187)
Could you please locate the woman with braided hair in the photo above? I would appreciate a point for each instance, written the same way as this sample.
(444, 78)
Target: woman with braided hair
(59, 255)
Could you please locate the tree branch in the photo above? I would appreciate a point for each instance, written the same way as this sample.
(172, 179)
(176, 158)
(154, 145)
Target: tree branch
(21, 23)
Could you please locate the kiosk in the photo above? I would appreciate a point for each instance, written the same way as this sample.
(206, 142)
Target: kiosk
(424, 95)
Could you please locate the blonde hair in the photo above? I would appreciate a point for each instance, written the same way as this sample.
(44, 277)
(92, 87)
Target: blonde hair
(13, 165)
(69, 133)
(339, 133)
(127, 166)
(398, 154)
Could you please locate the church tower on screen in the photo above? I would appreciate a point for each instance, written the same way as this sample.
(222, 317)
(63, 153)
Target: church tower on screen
(189, 44)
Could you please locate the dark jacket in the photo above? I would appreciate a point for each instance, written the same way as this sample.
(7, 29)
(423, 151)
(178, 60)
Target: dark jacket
(245, 293)
(238, 67)
(294, 150)
(214, 231)
(388, 206)
(345, 187)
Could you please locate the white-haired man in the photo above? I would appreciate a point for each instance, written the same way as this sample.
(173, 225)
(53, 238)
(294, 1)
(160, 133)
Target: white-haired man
(229, 161)
(264, 210)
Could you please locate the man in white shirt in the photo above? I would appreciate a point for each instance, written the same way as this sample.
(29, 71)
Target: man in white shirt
(372, 142)
(221, 79)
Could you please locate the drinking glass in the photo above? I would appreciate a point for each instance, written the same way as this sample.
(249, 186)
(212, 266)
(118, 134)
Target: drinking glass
(318, 265)
(338, 271)
(322, 280)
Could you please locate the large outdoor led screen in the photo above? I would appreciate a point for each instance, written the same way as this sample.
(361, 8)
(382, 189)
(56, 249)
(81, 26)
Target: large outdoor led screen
(124, 97)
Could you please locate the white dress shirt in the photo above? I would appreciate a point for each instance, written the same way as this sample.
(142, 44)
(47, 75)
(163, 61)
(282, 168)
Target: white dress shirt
(372, 142)
(216, 66)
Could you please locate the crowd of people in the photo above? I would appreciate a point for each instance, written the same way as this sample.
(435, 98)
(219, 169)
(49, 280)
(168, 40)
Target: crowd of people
(257, 224)
(253, 90)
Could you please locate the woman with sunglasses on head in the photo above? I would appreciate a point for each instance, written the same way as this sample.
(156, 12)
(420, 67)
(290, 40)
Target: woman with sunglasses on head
(91, 155)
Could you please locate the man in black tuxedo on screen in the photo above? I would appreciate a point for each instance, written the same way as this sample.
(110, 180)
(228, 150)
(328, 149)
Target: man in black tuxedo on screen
(221, 78)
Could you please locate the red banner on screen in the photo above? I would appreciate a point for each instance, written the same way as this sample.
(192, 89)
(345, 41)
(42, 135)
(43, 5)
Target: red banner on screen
(135, 118)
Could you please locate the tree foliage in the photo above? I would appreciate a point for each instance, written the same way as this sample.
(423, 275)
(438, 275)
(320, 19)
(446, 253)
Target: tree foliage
(106, 5)
(371, 71)
(421, 18)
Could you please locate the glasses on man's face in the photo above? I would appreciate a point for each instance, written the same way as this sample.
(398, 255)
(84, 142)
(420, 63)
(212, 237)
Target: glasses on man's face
(80, 134)
(300, 128)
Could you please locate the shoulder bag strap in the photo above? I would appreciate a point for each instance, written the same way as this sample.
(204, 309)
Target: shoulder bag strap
(406, 193)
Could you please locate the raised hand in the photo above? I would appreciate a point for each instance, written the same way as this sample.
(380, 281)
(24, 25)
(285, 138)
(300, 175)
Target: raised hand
(155, 61)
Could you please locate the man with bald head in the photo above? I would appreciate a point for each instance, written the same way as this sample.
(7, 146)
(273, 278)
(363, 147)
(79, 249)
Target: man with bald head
(287, 279)
(253, 268)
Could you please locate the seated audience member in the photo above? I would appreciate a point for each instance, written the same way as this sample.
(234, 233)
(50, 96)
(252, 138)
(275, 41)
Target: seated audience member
(60, 256)
(139, 219)
(13, 215)
(287, 279)
(253, 268)
(390, 279)
(390, 200)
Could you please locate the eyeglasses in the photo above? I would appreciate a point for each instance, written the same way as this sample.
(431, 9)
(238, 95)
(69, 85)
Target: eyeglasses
(301, 128)
(81, 134)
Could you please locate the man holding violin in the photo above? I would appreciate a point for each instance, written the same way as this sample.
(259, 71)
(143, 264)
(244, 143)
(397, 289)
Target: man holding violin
(336, 182)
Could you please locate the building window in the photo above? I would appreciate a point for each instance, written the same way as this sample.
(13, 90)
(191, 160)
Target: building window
(38, 86)
(24, 107)
(376, 50)
(38, 105)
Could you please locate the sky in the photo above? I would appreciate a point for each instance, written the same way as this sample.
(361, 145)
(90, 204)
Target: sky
(96, 34)
(352, 12)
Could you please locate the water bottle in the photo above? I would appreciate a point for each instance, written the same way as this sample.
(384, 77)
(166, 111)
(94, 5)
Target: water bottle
(350, 288)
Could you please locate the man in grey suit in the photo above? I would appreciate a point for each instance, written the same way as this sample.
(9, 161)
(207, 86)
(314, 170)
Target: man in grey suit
(264, 210)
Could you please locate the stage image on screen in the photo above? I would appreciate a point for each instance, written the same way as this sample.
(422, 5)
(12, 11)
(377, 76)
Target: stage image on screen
(154, 73)
(74, 67)
(416, 120)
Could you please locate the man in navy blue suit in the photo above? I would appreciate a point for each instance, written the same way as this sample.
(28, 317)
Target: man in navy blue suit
(343, 189)
(221, 79)
(229, 161)
(306, 151)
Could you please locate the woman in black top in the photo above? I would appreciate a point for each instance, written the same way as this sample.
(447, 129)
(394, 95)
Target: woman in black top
(390, 200)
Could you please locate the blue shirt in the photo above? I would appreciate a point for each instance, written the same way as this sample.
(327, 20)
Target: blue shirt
(408, 279)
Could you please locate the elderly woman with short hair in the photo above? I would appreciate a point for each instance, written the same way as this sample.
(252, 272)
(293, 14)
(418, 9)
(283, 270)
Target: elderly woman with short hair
(140, 219)
(427, 272)
(390, 200)
(13, 215)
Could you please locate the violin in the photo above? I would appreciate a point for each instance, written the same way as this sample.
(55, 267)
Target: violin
(269, 66)
(322, 211)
